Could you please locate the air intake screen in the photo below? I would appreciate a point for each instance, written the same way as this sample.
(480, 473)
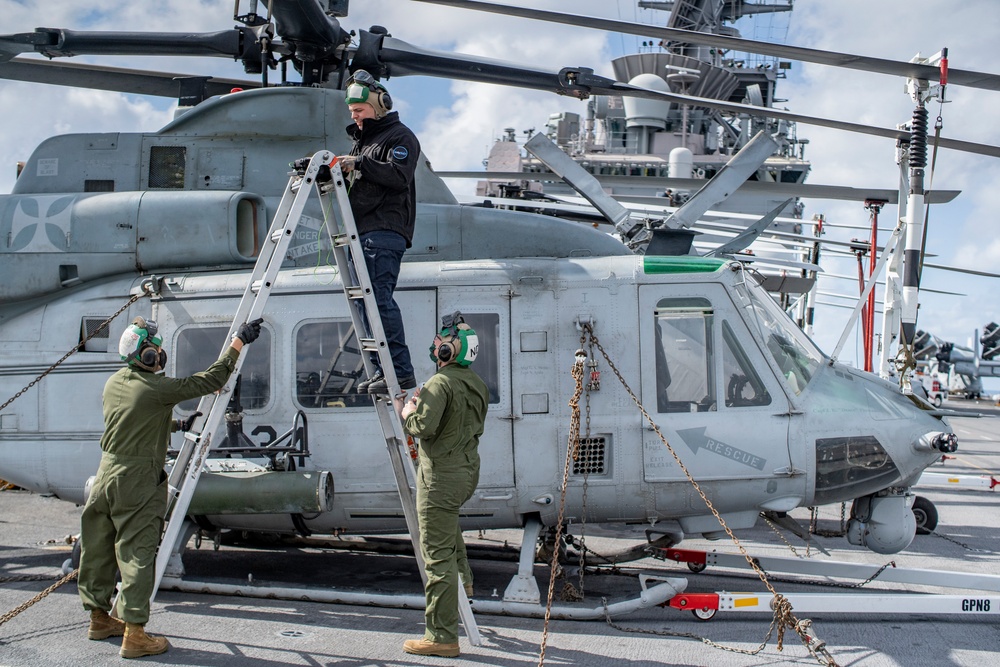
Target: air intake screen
(591, 457)
(99, 343)
(166, 167)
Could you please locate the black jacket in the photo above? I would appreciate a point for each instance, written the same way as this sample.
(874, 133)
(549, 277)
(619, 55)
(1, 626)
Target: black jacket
(383, 195)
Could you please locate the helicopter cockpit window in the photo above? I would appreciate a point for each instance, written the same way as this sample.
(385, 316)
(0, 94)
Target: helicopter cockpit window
(684, 357)
(486, 365)
(743, 385)
(797, 356)
(328, 366)
(198, 348)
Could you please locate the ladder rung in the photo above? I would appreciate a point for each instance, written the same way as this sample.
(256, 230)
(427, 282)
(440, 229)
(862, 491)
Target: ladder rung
(342, 374)
(369, 345)
(355, 291)
(342, 240)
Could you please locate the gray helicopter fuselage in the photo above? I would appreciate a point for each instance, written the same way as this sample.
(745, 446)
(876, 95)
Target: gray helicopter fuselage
(753, 412)
(746, 402)
(199, 194)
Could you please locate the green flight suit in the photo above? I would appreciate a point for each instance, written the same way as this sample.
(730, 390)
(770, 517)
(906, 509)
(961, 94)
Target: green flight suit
(123, 518)
(448, 419)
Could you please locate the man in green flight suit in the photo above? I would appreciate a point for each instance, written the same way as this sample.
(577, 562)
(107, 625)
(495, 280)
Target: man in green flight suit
(447, 415)
(123, 518)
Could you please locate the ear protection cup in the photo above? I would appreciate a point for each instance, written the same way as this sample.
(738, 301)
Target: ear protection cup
(457, 342)
(379, 98)
(149, 356)
(161, 360)
(384, 100)
(449, 349)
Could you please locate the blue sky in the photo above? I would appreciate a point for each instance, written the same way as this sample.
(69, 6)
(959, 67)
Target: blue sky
(457, 121)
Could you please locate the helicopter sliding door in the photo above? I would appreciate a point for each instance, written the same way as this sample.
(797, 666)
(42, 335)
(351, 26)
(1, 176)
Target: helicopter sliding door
(710, 391)
(488, 312)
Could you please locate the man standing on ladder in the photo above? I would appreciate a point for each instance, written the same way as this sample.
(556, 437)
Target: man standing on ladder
(448, 415)
(380, 171)
(123, 518)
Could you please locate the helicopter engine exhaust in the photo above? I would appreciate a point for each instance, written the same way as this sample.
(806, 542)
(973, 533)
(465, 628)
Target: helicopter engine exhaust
(882, 522)
(62, 240)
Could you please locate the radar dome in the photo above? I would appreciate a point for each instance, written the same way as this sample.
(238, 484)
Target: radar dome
(681, 164)
(641, 112)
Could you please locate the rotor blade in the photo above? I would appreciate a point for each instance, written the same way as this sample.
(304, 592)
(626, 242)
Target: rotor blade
(581, 211)
(831, 58)
(398, 58)
(725, 182)
(805, 190)
(958, 270)
(579, 179)
(394, 57)
(116, 79)
(771, 112)
(774, 261)
(58, 42)
(751, 233)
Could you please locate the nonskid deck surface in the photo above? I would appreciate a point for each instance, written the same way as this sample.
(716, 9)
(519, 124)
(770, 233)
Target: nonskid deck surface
(230, 630)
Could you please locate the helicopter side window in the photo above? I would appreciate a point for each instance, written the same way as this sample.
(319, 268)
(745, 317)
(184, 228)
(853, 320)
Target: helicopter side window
(684, 357)
(743, 385)
(328, 366)
(486, 365)
(198, 347)
(797, 356)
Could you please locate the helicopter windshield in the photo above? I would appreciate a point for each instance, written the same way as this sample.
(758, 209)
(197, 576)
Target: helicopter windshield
(797, 356)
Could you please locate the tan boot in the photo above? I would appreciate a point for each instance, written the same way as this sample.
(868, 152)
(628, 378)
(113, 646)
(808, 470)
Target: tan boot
(137, 643)
(426, 647)
(103, 626)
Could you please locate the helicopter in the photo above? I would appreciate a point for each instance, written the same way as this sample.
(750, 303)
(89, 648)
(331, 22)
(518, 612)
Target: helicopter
(959, 369)
(166, 224)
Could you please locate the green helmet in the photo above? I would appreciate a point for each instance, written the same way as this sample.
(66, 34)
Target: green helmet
(140, 346)
(457, 342)
(362, 88)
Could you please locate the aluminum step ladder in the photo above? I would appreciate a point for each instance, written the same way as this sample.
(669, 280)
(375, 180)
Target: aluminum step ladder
(324, 176)
(188, 465)
(367, 323)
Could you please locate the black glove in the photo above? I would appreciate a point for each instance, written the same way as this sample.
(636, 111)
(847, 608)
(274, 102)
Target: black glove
(186, 424)
(249, 331)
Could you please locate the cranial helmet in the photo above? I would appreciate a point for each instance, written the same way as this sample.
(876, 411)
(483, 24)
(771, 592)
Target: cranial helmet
(363, 88)
(139, 346)
(457, 342)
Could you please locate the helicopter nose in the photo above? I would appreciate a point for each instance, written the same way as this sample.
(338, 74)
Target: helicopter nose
(946, 443)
